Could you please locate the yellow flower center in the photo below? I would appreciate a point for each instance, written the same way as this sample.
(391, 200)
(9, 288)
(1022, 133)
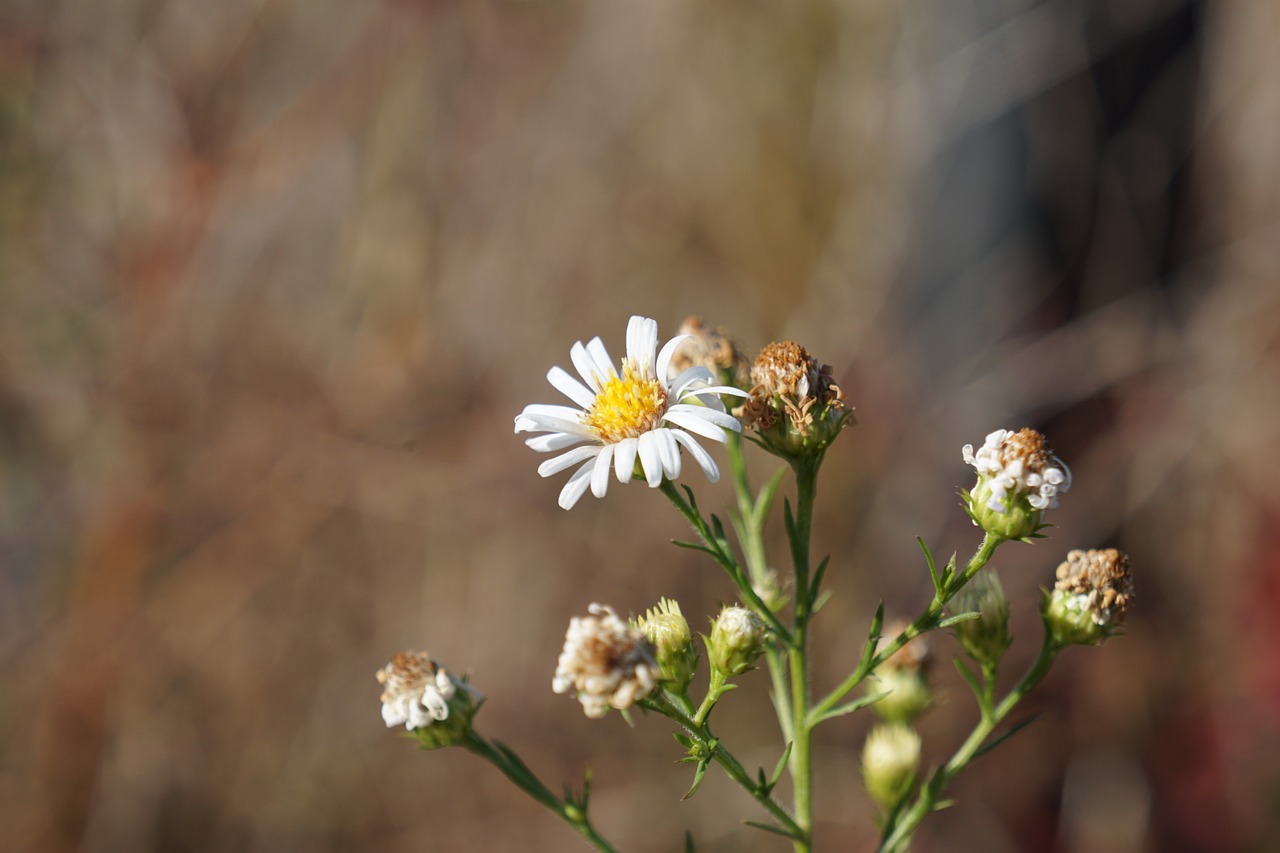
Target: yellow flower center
(627, 406)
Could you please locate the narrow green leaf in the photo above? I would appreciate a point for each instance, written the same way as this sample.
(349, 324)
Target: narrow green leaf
(688, 843)
(933, 568)
(816, 583)
(693, 546)
(698, 776)
(823, 598)
(764, 501)
(959, 617)
(970, 679)
(873, 637)
(850, 707)
(768, 827)
(780, 767)
(1013, 730)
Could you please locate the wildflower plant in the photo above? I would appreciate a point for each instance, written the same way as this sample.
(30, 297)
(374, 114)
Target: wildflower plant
(637, 419)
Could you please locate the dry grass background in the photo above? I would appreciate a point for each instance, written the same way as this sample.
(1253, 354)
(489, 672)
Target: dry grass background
(276, 276)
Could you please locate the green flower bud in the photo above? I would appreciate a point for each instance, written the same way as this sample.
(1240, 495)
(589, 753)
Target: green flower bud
(902, 677)
(737, 639)
(667, 630)
(795, 408)
(1089, 601)
(420, 694)
(1018, 479)
(890, 761)
(986, 638)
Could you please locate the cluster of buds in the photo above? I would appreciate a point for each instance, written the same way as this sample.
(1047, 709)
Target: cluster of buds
(1089, 600)
(1018, 478)
(795, 407)
(986, 638)
(666, 628)
(605, 663)
(737, 639)
(903, 678)
(713, 349)
(426, 699)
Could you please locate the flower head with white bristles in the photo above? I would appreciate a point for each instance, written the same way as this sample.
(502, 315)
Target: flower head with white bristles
(605, 663)
(633, 412)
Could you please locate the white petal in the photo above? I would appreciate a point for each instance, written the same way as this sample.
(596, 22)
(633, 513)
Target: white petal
(557, 464)
(575, 487)
(624, 459)
(600, 358)
(668, 452)
(701, 456)
(642, 341)
(668, 352)
(694, 423)
(689, 376)
(600, 473)
(586, 367)
(542, 423)
(548, 410)
(435, 703)
(649, 459)
(554, 441)
(720, 419)
(570, 387)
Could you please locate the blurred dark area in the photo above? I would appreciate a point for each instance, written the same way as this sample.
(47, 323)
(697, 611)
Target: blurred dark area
(276, 276)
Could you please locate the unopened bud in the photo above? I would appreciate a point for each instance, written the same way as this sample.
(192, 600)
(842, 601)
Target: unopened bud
(986, 638)
(668, 631)
(737, 640)
(890, 761)
(902, 677)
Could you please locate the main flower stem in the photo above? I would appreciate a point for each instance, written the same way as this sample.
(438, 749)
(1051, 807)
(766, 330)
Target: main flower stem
(517, 771)
(802, 728)
(899, 833)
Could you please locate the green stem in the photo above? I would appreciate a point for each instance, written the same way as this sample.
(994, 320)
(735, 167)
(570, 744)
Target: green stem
(751, 536)
(516, 770)
(701, 733)
(899, 833)
(926, 621)
(801, 765)
(724, 558)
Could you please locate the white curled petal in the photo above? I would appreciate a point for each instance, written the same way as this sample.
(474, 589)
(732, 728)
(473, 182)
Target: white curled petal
(435, 703)
(600, 473)
(624, 459)
(554, 441)
(541, 423)
(566, 460)
(570, 387)
(649, 459)
(576, 486)
(667, 353)
(694, 423)
(668, 451)
(600, 358)
(688, 377)
(720, 419)
(699, 454)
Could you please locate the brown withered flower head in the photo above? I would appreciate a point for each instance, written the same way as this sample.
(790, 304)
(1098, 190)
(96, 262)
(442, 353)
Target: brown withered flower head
(714, 350)
(795, 407)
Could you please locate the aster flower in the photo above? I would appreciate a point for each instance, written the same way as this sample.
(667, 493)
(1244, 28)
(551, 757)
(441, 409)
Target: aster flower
(627, 413)
(605, 663)
(1018, 478)
(424, 697)
(1089, 601)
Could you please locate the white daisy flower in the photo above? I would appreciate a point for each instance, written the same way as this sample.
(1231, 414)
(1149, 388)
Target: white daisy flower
(623, 414)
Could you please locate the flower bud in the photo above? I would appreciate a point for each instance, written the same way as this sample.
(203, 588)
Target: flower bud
(986, 638)
(890, 761)
(430, 702)
(605, 663)
(1018, 478)
(795, 407)
(667, 630)
(1089, 601)
(902, 677)
(737, 639)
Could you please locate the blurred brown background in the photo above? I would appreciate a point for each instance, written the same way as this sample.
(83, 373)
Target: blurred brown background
(276, 277)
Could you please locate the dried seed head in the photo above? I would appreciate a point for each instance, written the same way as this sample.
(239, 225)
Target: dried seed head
(605, 663)
(1091, 596)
